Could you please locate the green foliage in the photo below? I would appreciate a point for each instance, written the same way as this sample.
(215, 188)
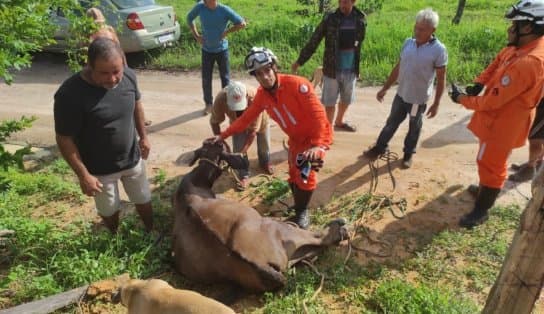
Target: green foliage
(49, 259)
(46, 256)
(80, 28)
(8, 127)
(58, 188)
(370, 6)
(26, 27)
(470, 258)
(286, 26)
(270, 190)
(398, 296)
(301, 285)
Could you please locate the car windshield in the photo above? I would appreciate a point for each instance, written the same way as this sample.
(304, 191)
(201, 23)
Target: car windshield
(125, 4)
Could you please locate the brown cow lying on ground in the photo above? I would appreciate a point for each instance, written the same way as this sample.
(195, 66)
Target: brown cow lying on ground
(222, 240)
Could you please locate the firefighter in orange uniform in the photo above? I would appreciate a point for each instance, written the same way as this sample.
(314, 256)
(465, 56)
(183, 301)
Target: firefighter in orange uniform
(503, 114)
(289, 100)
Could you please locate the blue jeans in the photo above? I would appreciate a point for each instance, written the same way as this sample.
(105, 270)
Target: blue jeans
(208, 60)
(399, 110)
(263, 148)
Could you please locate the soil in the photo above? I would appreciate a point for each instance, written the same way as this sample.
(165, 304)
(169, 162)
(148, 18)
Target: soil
(434, 187)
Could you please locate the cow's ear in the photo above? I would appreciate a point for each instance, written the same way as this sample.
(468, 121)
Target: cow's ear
(196, 156)
(236, 161)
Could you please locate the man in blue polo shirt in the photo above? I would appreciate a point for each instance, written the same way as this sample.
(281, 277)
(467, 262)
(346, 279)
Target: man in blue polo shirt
(422, 58)
(214, 19)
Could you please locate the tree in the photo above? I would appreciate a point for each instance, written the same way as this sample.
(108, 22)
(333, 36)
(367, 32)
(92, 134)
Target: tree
(25, 27)
(460, 8)
(521, 278)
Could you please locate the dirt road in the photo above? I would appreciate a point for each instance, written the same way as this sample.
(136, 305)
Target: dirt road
(443, 166)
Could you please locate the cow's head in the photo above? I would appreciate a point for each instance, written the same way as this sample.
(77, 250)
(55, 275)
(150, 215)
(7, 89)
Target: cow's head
(218, 152)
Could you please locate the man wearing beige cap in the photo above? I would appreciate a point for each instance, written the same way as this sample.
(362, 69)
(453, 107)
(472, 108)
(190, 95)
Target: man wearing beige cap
(231, 102)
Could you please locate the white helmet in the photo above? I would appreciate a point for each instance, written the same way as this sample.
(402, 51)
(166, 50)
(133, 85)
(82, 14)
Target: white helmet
(259, 57)
(527, 10)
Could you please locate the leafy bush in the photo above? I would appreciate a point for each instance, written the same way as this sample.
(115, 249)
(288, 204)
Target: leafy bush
(25, 27)
(8, 127)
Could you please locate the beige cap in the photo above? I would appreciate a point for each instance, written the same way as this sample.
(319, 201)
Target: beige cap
(236, 96)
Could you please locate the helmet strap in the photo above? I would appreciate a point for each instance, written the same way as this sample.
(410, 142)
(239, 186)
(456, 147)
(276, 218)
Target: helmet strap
(518, 33)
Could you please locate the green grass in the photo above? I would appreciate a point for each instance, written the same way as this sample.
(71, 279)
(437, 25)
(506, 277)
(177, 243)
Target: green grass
(285, 26)
(448, 272)
(48, 256)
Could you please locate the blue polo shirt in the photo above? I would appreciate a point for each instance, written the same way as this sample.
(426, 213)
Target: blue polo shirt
(417, 69)
(213, 24)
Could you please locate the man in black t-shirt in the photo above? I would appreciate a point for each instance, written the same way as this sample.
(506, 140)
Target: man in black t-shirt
(99, 125)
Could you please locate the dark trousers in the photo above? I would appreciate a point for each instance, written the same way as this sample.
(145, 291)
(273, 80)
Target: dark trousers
(208, 61)
(399, 110)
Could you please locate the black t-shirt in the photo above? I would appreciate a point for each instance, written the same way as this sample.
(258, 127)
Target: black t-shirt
(347, 29)
(100, 121)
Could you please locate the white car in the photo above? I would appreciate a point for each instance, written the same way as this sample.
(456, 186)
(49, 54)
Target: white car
(140, 24)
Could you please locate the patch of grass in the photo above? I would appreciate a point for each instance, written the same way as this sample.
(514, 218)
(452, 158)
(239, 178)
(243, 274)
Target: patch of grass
(67, 258)
(399, 296)
(43, 259)
(44, 186)
(270, 190)
(468, 260)
(286, 26)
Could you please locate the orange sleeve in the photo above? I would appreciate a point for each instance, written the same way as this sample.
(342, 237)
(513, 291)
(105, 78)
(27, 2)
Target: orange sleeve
(245, 120)
(486, 74)
(519, 80)
(322, 133)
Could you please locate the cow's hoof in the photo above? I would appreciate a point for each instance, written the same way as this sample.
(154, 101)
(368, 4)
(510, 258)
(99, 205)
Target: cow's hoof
(338, 221)
(336, 232)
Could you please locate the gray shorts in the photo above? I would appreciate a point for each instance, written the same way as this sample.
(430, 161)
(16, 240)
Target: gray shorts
(343, 85)
(135, 185)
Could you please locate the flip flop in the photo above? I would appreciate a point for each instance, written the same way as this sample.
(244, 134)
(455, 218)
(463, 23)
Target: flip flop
(345, 127)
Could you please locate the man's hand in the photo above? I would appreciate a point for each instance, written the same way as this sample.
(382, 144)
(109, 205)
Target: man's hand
(213, 139)
(432, 111)
(314, 153)
(90, 185)
(145, 147)
(381, 94)
(199, 39)
(455, 93)
(474, 89)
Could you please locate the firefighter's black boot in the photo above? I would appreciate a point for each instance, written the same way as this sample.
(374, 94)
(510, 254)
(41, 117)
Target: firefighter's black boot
(484, 201)
(302, 199)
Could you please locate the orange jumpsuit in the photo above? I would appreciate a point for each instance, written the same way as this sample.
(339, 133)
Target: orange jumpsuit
(503, 114)
(299, 113)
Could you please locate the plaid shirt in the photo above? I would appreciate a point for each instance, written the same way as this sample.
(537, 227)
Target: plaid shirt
(329, 28)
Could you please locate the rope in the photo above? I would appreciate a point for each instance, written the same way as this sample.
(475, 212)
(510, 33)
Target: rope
(516, 187)
(304, 301)
(213, 163)
(388, 156)
(226, 167)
